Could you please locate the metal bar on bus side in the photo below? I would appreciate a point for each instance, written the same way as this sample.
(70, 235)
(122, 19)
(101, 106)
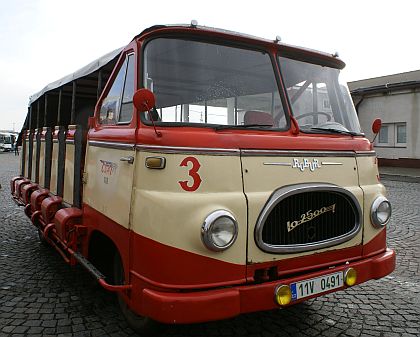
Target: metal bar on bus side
(30, 152)
(73, 104)
(62, 134)
(99, 90)
(60, 93)
(85, 263)
(38, 114)
(38, 154)
(45, 109)
(48, 157)
(79, 155)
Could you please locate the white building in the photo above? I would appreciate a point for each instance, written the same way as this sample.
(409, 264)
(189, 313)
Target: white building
(395, 99)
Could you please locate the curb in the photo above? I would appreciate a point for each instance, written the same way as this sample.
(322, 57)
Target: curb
(397, 177)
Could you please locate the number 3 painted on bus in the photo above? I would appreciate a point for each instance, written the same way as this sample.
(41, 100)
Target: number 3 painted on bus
(193, 173)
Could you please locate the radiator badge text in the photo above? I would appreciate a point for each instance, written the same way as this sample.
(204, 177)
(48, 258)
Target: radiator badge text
(308, 216)
(306, 163)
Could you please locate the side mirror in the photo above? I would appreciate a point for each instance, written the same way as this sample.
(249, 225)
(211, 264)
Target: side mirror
(144, 100)
(376, 127)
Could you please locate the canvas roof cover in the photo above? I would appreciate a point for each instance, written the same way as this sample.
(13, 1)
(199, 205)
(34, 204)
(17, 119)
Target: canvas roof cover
(86, 70)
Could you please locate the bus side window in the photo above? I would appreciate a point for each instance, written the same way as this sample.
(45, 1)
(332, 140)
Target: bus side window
(126, 112)
(114, 106)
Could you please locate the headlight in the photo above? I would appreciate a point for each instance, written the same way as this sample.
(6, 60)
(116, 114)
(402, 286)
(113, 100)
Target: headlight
(219, 230)
(380, 212)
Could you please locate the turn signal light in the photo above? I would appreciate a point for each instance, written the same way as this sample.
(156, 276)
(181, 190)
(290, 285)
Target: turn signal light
(350, 277)
(283, 295)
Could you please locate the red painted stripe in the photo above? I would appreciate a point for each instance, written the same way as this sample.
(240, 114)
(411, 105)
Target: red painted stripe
(169, 267)
(162, 266)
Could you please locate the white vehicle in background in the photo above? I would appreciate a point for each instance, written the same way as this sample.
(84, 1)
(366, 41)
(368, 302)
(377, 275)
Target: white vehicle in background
(6, 141)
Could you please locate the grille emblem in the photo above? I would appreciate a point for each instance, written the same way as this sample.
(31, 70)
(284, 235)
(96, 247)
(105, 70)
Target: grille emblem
(309, 216)
(312, 165)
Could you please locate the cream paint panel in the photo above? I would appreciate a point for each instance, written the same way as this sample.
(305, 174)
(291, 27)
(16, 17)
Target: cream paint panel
(54, 167)
(164, 212)
(33, 159)
(109, 182)
(41, 180)
(368, 172)
(262, 180)
(26, 173)
(69, 174)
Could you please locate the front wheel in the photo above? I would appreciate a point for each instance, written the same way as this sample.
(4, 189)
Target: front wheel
(141, 324)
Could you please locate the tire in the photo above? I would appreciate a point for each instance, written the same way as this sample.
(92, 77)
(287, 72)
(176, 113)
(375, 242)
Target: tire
(141, 324)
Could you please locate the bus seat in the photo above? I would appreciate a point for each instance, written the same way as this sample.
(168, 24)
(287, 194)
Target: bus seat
(258, 117)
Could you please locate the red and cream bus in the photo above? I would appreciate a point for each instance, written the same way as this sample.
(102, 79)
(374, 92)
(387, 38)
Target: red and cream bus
(202, 174)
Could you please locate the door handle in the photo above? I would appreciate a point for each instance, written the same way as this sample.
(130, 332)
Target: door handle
(128, 159)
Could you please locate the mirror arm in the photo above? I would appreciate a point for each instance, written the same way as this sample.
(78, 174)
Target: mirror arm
(158, 133)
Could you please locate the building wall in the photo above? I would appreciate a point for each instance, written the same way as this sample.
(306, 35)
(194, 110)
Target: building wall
(393, 109)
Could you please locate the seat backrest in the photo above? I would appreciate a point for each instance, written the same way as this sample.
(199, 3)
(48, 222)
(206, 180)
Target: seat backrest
(258, 117)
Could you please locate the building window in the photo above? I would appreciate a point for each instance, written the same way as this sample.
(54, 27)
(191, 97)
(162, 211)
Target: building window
(401, 133)
(383, 135)
(326, 104)
(392, 135)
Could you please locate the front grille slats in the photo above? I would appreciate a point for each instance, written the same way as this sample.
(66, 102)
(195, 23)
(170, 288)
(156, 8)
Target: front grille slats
(319, 217)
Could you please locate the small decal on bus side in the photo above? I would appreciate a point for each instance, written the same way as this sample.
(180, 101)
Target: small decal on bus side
(193, 173)
(108, 167)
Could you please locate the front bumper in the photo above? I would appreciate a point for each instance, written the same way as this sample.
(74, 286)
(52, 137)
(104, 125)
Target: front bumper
(202, 306)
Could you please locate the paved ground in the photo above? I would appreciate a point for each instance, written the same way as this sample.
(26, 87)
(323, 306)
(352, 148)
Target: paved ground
(400, 174)
(40, 295)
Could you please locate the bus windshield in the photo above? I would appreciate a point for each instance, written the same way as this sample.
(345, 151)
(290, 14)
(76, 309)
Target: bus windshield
(319, 96)
(200, 83)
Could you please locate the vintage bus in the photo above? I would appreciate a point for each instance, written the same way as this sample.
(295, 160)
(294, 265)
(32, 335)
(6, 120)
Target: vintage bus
(7, 140)
(201, 174)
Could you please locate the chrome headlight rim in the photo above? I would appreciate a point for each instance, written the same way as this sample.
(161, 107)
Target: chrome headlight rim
(374, 209)
(209, 221)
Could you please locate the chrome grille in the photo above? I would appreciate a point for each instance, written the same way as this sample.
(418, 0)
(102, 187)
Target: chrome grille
(306, 217)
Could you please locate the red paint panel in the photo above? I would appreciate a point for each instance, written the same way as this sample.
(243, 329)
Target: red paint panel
(321, 260)
(254, 41)
(248, 139)
(192, 307)
(376, 245)
(119, 235)
(223, 303)
(113, 134)
(308, 262)
(172, 267)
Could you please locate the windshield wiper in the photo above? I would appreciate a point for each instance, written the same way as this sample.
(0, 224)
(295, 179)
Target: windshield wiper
(342, 132)
(245, 126)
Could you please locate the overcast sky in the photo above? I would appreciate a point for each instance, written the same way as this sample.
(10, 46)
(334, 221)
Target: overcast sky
(44, 40)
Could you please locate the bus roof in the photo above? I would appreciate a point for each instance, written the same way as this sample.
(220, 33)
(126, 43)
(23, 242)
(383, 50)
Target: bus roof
(84, 71)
